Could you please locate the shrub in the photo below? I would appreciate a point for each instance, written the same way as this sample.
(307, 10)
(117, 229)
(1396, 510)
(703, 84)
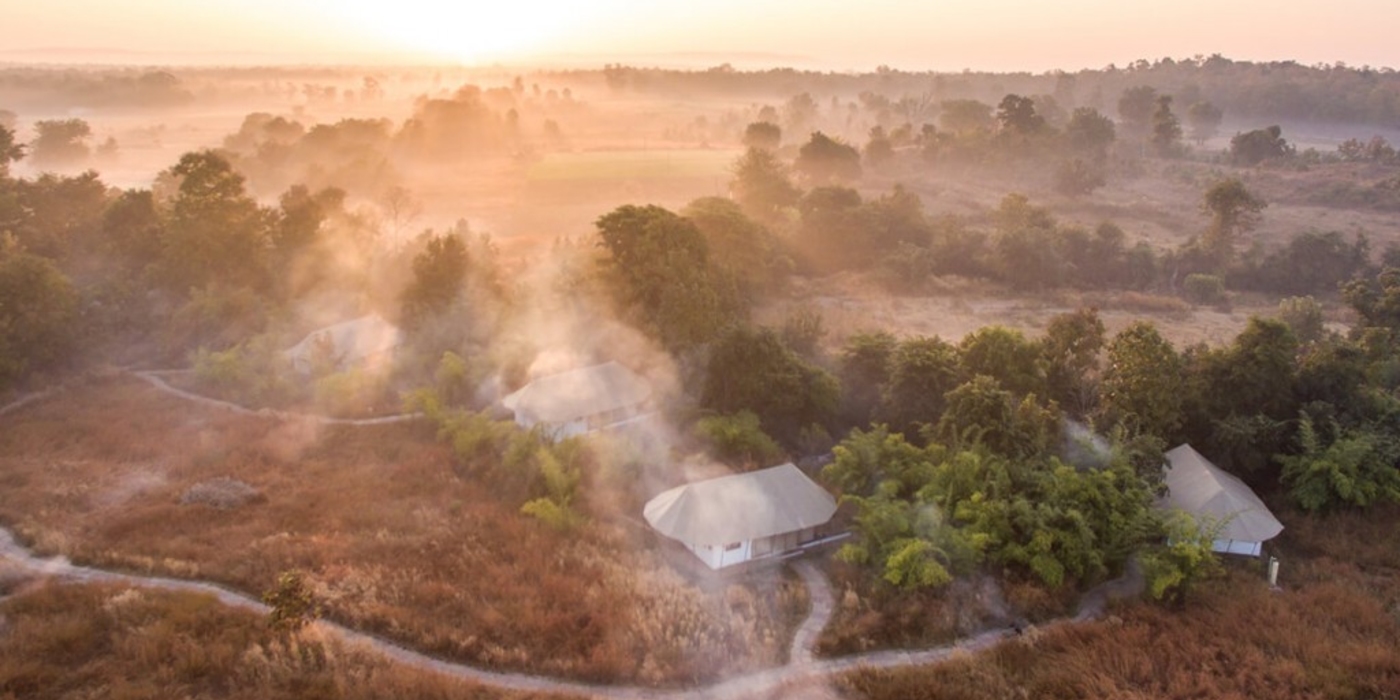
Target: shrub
(738, 439)
(1204, 289)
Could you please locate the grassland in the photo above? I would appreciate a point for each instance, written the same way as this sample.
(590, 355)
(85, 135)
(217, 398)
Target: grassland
(88, 641)
(393, 541)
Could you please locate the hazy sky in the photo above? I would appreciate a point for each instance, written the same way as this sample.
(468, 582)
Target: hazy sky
(1031, 35)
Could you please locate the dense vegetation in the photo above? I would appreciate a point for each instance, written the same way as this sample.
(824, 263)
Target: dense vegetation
(1032, 460)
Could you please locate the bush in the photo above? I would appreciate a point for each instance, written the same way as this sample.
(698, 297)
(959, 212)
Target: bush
(253, 374)
(738, 440)
(1204, 289)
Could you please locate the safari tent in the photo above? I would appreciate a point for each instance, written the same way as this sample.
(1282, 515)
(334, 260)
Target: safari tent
(581, 400)
(743, 517)
(1206, 491)
(365, 342)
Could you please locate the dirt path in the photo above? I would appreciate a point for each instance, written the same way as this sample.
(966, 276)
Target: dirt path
(804, 667)
(804, 640)
(154, 378)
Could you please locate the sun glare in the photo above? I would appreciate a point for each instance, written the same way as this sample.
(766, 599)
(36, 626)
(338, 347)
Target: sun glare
(468, 31)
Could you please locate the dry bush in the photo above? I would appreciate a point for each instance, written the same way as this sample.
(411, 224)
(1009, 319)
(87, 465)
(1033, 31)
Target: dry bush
(1140, 302)
(222, 492)
(65, 641)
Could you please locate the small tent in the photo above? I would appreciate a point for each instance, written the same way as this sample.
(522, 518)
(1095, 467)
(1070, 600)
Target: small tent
(742, 517)
(368, 341)
(1208, 492)
(581, 400)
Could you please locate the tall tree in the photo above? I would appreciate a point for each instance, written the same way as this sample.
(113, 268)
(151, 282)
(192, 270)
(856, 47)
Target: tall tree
(825, 160)
(763, 187)
(1204, 119)
(1234, 211)
(751, 370)
(216, 233)
(1142, 385)
(1166, 128)
(60, 142)
(1135, 108)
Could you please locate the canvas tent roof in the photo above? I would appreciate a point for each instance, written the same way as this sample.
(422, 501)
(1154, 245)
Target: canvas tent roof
(351, 341)
(569, 396)
(1203, 489)
(740, 507)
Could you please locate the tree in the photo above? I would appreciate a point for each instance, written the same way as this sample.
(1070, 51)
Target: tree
(38, 307)
(922, 371)
(763, 135)
(1234, 211)
(1142, 385)
(964, 117)
(751, 370)
(1070, 351)
(737, 243)
(1135, 108)
(826, 160)
(10, 150)
(761, 185)
(1166, 129)
(1356, 470)
(1254, 147)
(1006, 355)
(1089, 133)
(660, 271)
(438, 273)
(864, 368)
(1174, 569)
(60, 142)
(981, 412)
(878, 149)
(132, 229)
(1017, 114)
(1076, 177)
(216, 232)
(1204, 119)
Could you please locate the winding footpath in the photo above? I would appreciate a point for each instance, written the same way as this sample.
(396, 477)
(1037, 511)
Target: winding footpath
(802, 669)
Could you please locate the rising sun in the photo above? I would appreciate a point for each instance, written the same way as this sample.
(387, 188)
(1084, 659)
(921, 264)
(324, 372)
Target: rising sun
(471, 31)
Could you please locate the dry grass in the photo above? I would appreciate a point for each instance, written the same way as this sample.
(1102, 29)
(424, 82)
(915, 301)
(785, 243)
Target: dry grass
(392, 539)
(1332, 632)
(116, 642)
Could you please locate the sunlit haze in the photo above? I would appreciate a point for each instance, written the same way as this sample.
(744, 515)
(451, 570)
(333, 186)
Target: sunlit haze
(947, 35)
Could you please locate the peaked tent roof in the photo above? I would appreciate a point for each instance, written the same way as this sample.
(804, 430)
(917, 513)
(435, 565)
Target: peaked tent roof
(351, 341)
(740, 507)
(579, 393)
(1203, 489)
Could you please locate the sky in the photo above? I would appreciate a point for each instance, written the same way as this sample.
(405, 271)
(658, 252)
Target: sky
(945, 35)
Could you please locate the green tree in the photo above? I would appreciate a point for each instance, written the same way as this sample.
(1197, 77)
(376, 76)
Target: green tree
(751, 370)
(38, 309)
(964, 117)
(761, 186)
(742, 246)
(10, 150)
(1166, 128)
(1142, 385)
(439, 272)
(864, 368)
(1204, 119)
(763, 135)
(1077, 177)
(1234, 211)
(1174, 569)
(216, 232)
(981, 412)
(738, 440)
(1089, 133)
(1017, 114)
(1135, 108)
(1356, 470)
(661, 273)
(1070, 353)
(825, 160)
(1254, 147)
(1006, 355)
(60, 142)
(922, 371)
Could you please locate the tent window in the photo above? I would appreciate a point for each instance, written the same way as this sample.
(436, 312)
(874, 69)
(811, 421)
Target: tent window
(733, 546)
